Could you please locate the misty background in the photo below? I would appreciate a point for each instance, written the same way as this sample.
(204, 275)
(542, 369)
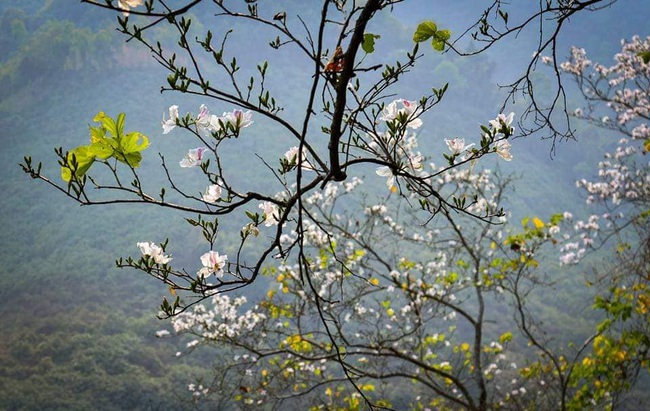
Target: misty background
(78, 333)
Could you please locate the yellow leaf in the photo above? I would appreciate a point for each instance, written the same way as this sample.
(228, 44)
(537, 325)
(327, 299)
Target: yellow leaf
(538, 223)
(374, 281)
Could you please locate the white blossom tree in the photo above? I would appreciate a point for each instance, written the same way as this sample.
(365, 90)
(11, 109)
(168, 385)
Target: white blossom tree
(618, 198)
(375, 301)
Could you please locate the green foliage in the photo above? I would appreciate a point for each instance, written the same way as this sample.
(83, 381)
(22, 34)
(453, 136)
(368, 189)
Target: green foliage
(108, 140)
(429, 30)
(368, 44)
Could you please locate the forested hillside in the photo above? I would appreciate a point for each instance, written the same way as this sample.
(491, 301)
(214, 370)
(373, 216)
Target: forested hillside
(78, 333)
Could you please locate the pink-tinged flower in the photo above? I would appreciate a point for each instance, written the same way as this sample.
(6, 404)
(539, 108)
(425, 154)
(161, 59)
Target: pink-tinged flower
(207, 122)
(410, 110)
(503, 149)
(193, 157)
(213, 263)
(238, 119)
(271, 213)
(388, 173)
(502, 122)
(203, 118)
(126, 5)
(169, 124)
(155, 252)
(457, 145)
(212, 193)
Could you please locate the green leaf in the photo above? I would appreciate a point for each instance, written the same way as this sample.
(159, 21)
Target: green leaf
(107, 122)
(102, 148)
(134, 142)
(438, 45)
(439, 39)
(120, 124)
(443, 34)
(82, 157)
(132, 159)
(424, 31)
(97, 133)
(368, 44)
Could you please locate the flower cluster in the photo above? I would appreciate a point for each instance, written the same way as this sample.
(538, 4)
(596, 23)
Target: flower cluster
(395, 145)
(408, 114)
(210, 123)
(622, 178)
(223, 320)
(155, 252)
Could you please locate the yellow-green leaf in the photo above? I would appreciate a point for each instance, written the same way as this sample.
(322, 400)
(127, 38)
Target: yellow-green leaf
(79, 161)
(368, 44)
(424, 31)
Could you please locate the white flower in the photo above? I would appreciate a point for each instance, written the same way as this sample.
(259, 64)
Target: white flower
(169, 124)
(212, 193)
(126, 5)
(238, 119)
(410, 110)
(271, 213)
(193, 157)
(457, 145)
(162, 333)
(155, 252)
(502, 122)
(415, 162)
(388, 173)
(203, 118)
(213, 263)
(250, 229)
(207, 122)
(292, 155)
(503, 149)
